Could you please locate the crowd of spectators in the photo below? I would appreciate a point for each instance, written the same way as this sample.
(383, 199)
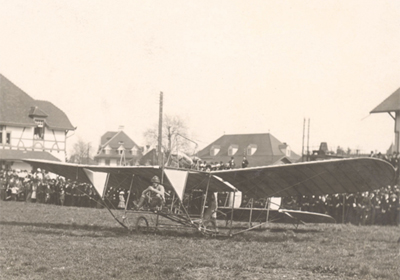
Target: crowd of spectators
(38, 187)
(213, 166)
(379, 207)
(393, 158)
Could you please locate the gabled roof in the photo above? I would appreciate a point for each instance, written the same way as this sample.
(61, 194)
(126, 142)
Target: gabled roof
(266, 143)
(114, 140)
(57, 118)
(18, 108)
(107, 137)
(390, 104)
(269, 149)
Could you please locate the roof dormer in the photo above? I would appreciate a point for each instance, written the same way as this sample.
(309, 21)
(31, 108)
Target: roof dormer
(251, 149)
(134, 151)
(215, 150)
(107, 150)
(121, 149)
(232, 150)
(285, 148)
(36, 112)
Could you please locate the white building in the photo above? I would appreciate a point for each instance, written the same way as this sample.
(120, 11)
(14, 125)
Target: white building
(29, 128)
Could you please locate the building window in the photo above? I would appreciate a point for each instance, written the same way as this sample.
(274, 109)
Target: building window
(251, 149)
(107, 150)
(121, 150)
(107, 162)
(232, 149)
(134, 151)
(5, 137)
(215, 150)
(38, 132)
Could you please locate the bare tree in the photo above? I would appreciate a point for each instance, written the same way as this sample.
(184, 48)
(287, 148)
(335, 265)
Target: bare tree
(81, 152)
(173, 127)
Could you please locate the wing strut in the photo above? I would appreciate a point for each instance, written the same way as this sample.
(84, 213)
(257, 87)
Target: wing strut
(269, 206)
(129, 195)
(205, 198)
(100, 180)
(251, 212)
(119, 222)
(233, 208)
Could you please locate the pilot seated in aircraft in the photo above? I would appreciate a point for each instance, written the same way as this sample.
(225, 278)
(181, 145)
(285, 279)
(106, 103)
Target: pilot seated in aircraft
(154, 195)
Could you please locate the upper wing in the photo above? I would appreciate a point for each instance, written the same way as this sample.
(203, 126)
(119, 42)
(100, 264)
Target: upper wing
(118, 177)
(311, 178)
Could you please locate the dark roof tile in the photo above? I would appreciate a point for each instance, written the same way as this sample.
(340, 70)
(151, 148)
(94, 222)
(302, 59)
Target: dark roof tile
(16, 108)
(269, 149)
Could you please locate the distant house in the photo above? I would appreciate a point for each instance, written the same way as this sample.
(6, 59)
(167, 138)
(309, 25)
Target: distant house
(116, 148)
(260, 150)
(29, 128)
(149, 158)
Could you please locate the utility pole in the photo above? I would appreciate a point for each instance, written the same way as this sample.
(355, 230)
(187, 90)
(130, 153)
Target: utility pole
(88, 151)
(308, 141)
(159, 150)
(302, 144)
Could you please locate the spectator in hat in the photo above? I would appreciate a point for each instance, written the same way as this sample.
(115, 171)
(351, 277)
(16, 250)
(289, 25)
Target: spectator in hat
(62, 196)
(17, 189)
(232, 163)
(48, 194)
(28, 188)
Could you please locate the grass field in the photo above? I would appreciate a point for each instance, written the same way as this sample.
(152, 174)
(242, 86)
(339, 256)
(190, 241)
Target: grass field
(51, 242)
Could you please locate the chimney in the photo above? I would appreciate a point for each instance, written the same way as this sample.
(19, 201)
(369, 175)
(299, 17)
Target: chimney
(120, 128)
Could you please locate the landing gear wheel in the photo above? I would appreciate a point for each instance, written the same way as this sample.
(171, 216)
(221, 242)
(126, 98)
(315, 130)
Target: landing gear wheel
(142, 225)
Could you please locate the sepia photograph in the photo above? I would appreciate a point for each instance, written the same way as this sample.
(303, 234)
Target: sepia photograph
(200, 139)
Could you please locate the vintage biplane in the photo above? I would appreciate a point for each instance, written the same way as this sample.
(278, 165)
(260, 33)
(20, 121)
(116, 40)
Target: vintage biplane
(307, 178)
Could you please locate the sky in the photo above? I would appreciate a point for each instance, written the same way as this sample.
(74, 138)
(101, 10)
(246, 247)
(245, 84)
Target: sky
(225, 67)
